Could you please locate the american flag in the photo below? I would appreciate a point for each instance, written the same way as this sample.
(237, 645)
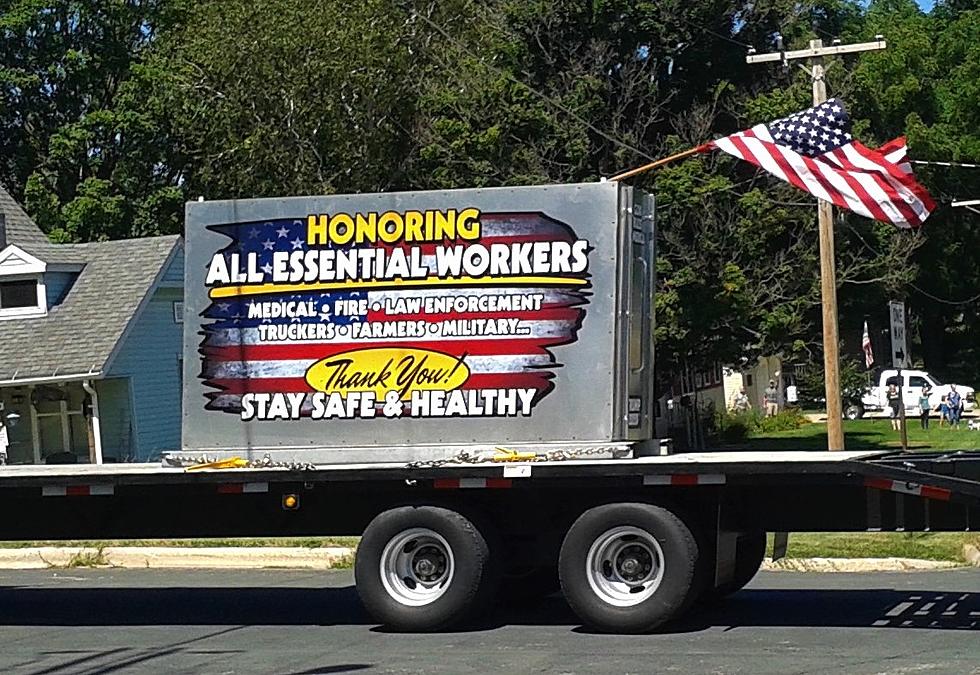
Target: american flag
(236, 360)
(814, 150)
(869, 356)
(896, 152)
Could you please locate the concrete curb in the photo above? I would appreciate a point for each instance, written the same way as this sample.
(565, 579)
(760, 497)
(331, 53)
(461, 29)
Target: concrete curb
(269, 557)
(165, 557)
(856, 565)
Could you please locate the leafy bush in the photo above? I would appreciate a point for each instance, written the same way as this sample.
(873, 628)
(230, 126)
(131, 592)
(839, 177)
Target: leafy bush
(734, 427)
(785, 420)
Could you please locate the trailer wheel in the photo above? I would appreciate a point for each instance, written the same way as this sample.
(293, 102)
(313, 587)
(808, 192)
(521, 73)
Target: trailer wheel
(627, 568)
(854, 411)
(421, 568)
(750, 551)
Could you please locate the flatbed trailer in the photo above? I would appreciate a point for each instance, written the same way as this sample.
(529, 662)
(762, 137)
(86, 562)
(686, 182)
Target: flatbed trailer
(367, 361)
(715, 508)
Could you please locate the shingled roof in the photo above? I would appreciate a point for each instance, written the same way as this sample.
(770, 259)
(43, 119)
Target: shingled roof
(23, 232)
(79, 335)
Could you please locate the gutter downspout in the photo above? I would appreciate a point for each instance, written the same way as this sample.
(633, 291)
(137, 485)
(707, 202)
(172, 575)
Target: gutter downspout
(96, 423)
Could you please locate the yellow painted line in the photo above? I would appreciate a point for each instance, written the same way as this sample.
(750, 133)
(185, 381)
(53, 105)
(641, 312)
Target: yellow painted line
(356, 285)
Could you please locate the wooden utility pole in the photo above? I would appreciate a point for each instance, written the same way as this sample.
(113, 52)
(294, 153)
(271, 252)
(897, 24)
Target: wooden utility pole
(825, 221)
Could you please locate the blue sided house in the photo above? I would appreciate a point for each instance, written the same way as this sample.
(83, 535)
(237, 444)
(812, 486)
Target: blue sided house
(90, 345)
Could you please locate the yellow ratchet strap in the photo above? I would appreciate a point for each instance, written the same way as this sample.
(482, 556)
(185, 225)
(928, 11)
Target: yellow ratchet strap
(508, 455)
(230, 463)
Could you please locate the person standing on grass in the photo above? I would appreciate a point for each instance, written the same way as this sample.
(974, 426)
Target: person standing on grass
(924, 407)
(943, 409)
(955, 403)
(770, 399)
(740, 401)
(894, 397)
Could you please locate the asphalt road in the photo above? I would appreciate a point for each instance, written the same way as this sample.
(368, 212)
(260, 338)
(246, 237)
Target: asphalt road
(301, 623)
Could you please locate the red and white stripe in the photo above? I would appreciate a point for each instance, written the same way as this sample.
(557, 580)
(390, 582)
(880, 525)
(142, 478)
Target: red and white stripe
(908, 488)
(851, 177)
(896, 152)
(242, 488)
(77, 490)
(869, 356)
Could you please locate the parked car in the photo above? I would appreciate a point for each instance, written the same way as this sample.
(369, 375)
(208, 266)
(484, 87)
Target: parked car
(911, 383)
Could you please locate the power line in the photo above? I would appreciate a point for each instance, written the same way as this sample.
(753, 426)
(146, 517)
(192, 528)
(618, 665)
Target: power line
(548, 99)
(944, 300)
(936, 298)
(958, 165)
(716, 34)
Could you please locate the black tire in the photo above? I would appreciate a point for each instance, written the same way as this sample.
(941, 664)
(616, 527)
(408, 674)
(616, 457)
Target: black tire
(750, 551)
(679, 559)
(466, 590)
(854, 411)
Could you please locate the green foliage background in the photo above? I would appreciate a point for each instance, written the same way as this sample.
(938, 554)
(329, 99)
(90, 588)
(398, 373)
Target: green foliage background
(114, 112)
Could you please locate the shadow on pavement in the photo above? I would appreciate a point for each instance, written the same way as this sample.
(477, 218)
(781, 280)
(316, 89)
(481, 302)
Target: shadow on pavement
(224, 606)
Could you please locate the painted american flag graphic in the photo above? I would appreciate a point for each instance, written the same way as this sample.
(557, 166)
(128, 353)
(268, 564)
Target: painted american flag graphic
(492, 333)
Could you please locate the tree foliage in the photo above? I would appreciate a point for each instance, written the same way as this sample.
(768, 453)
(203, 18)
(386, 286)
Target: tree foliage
(112, 113)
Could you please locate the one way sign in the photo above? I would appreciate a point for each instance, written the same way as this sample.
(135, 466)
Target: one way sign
(900, 345)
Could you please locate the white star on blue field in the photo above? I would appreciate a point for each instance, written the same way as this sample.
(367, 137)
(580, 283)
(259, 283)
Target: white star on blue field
(264, 239)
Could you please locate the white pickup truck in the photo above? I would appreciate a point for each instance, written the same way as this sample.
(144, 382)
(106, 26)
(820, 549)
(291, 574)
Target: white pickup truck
(875, 399)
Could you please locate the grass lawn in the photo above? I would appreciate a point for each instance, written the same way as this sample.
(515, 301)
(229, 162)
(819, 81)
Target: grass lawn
(865, 434)
(921, 545)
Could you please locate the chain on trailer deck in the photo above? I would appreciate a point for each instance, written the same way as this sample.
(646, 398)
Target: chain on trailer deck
(462, 458)
(205, 462)
(505, 455)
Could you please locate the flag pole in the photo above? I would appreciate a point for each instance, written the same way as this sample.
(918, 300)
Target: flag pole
(659, 162)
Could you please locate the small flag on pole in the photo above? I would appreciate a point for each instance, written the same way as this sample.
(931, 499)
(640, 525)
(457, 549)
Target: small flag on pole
(869, 356)
(814, 151)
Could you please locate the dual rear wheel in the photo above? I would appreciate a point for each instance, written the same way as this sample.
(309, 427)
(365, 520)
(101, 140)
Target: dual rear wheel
(623, 568)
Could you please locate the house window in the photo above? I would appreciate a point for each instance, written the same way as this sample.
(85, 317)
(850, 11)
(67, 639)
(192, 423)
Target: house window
(18, 294)
(178, 312)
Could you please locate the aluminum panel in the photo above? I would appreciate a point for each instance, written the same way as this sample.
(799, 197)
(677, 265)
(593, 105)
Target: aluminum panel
(323, 322)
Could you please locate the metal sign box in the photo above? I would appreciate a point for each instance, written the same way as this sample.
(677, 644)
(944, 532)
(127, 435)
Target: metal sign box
(400, 326)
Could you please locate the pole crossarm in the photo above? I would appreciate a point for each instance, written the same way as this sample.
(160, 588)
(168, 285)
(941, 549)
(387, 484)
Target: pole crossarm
(814, 52)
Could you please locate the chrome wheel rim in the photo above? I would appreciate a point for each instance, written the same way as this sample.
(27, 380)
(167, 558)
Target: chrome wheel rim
(625, 566)
(417, 566)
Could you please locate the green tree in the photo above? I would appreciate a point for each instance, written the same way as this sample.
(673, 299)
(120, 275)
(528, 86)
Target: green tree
(77, 139)
(926, 85)
(288, 96)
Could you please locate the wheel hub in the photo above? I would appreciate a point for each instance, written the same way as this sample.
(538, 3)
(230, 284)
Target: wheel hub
(634, 563)
(429, 564)
(625, 566)
(417, 566)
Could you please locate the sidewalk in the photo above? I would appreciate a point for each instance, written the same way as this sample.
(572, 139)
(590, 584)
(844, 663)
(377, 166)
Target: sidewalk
(165, 557)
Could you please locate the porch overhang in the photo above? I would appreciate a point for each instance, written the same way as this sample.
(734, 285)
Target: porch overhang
(48, 379)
